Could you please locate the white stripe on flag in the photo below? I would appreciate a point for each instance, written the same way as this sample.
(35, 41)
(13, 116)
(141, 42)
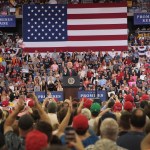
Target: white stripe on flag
(77, 43)
(97, 32)
(96, 10)
(96, 21)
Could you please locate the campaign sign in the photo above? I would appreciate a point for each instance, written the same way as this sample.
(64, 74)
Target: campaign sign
(91, 94)
(7, 21)
(141, 18)
(55, 94)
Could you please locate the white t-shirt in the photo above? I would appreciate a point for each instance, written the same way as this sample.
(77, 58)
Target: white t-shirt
(125, 55)
(53, 118)
(91, 123)
(112, 54)
(142, 77)
(148, 54)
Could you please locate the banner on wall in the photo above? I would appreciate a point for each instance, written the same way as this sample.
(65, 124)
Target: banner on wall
(7, 21)
(55, 94)
(141, 18)
(91, 94)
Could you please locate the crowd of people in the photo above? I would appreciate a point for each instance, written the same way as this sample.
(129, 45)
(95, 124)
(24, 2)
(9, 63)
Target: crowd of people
(120, 122)
(73, 124)
(99, 129)
(22, 72)
(135, 6)
(140, 36)
(9, 7)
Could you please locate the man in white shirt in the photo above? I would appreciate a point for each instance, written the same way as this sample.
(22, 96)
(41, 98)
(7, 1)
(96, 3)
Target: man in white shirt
(125, 54)
(52, 110)
(112, 53)
(142, 76)
(148, 53)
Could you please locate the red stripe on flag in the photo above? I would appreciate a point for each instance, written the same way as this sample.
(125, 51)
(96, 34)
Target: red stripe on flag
(97, 38)
(72, 49)
(95, 16)
(97, 5)
(100, 27)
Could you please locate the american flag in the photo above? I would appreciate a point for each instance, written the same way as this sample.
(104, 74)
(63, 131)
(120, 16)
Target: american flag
(75, 27)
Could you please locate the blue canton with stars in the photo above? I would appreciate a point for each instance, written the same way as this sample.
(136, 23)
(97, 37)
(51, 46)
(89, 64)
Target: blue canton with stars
(44, 23)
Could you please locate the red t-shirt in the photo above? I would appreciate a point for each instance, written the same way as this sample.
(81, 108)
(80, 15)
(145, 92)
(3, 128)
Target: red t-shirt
(89, 74)
(135, 90)
(128, 61)
(2, 69)
(119, 76)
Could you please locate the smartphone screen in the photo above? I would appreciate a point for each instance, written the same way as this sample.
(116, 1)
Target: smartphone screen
(69, 134)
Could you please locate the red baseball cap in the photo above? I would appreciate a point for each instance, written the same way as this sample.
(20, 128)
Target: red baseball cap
(80, 122)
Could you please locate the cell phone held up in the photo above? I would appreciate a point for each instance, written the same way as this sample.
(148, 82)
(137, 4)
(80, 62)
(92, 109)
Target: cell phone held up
(69, 135)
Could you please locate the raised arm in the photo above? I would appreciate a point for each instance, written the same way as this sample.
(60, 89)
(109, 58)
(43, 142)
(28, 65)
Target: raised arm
(65, 121)
(42, 113)
(12, 117)
(80, 106)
